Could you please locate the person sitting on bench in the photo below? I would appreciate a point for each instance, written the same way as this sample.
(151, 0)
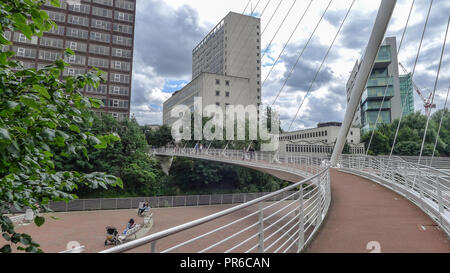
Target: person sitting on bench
(145, 207)
(131, 224)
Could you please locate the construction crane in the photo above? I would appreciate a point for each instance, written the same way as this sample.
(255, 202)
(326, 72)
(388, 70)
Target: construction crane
(426, 101)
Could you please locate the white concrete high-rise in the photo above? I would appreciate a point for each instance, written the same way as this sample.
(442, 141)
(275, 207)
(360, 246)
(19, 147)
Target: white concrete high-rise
(226, 67)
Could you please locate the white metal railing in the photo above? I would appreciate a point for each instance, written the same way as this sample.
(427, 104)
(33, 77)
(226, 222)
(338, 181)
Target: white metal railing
(440, 163)
(301, 165)
(425, 186)
(286, 220)
(279, 222)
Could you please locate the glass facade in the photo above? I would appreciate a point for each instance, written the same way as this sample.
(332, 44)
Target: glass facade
(407, 94)
(379, 85)
(384, 55)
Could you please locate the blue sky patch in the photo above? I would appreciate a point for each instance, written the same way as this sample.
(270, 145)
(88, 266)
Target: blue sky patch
(171, 86)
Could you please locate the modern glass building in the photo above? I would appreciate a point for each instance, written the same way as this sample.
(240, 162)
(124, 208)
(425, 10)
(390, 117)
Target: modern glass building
(379, 85)
(382, 83)
(407, 94)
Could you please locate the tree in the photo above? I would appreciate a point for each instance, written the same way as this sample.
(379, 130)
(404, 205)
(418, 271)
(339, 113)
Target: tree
(444, 135)
(380, 143)
(41, 117)
(160, 137)
(128, 159)
(410, 136)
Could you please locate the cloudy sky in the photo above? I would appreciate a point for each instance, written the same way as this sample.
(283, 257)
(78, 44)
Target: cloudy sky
(168, 30)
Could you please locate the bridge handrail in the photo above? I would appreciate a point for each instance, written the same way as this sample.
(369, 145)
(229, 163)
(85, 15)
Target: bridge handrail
(283, 161)
(425, 186)
(318, 183)
(401, 159)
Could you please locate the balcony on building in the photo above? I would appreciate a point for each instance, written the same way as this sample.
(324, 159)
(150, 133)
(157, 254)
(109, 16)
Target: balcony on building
(376, 93)
(384, 57)
(376, 105)
(369, 119)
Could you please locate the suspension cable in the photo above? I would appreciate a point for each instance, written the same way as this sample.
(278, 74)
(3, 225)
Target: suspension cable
(434, 90)
(287, 42)
(440, 125)
(412, 75)
(271, 17)
(262, 13)
(248, 3)
(323, 61)
(406, 97)
(242, 29)
(302, 51)
(406, 26)
(276, 32)
(264, 9)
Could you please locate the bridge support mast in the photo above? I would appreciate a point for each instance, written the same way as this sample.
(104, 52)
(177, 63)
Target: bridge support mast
(376, 38)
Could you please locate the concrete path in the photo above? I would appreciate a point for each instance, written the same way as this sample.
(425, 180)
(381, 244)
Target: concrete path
(363, 211)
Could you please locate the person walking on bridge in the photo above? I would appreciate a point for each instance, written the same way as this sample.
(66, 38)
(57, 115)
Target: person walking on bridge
(252, 152)
(196, 148)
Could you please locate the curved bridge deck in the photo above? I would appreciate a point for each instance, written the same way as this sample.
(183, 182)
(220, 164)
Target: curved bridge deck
(363, 214)
(363, 211)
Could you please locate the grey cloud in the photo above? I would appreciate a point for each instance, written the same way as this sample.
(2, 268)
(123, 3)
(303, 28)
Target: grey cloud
(334, 17)
(165, 37)
(323, 109)
(307, 67)
(357, 29)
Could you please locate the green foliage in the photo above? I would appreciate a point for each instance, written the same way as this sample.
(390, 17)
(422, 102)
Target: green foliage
(410, 136)
(346, 149)
(41, 118)
(203, 177)
(128, 159)
(159, 138)
(141, 173)
(380, 143)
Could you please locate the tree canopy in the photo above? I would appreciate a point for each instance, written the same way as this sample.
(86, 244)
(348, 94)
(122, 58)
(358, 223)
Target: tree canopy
(410, 135)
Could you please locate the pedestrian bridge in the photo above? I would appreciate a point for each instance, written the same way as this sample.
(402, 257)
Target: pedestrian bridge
(367, 204)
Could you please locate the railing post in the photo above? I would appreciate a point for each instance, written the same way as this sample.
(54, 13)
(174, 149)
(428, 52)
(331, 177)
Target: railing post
(301, 223)
(153, 247)
(261, 229)
(329, 185)
(420, 186)
(440, 199)
(319, 208)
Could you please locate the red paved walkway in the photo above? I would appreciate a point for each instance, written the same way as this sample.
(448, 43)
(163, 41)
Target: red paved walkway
(363, 211)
